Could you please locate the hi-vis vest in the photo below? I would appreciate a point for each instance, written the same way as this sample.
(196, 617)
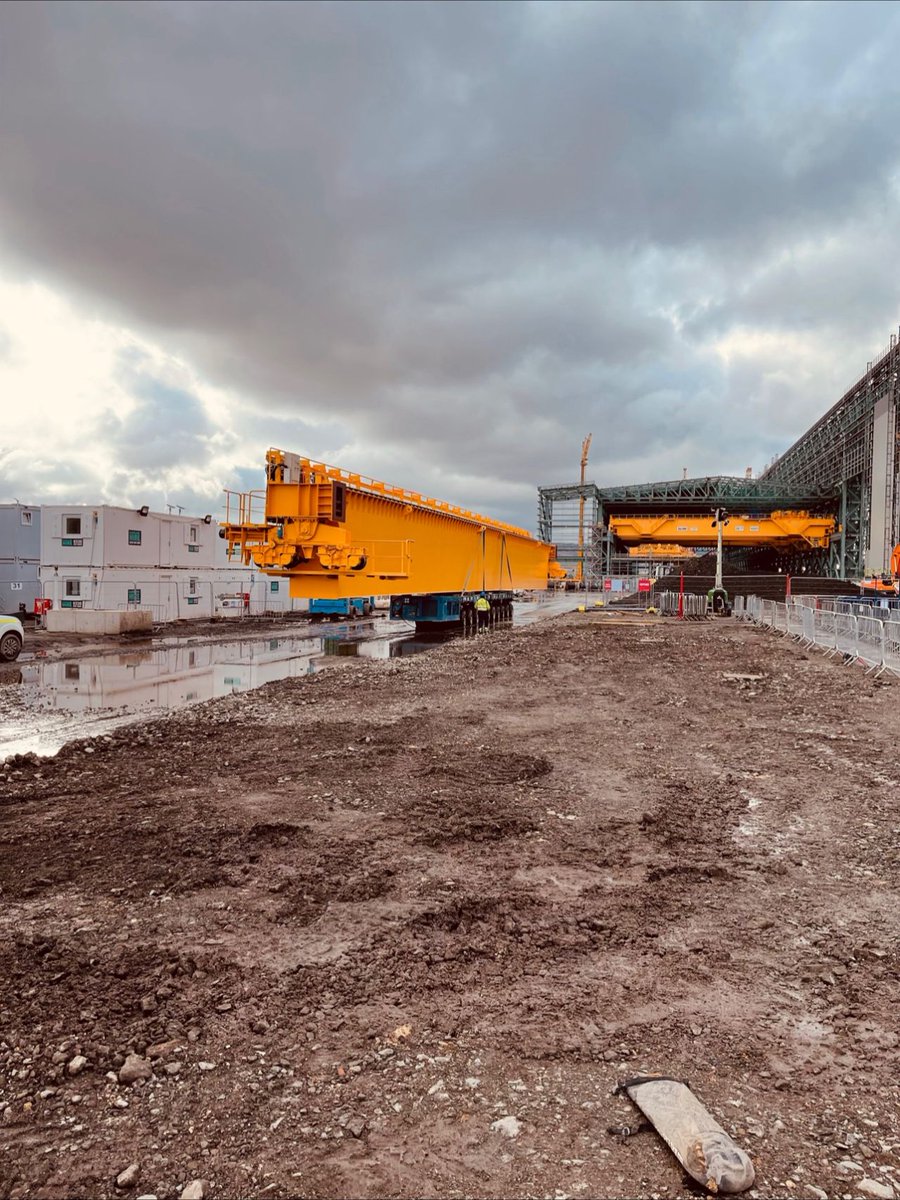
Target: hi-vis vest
(482, 604)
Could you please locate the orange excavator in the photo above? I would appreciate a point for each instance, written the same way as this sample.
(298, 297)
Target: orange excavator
(884, 585)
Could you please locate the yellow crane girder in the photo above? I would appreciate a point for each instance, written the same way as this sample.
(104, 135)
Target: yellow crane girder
(660, 550)
(779, 529)
(335, 534)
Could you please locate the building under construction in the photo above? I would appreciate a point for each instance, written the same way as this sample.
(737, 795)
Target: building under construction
(830, 505)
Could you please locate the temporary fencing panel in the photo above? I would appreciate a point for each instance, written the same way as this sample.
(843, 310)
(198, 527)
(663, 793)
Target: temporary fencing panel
(692, 607)
(795, 619)
(891, 635)
(808, 616)
(870, 640)
(845, 634)
(826, 632)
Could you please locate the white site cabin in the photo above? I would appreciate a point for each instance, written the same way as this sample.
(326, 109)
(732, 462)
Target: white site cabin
(109, 558)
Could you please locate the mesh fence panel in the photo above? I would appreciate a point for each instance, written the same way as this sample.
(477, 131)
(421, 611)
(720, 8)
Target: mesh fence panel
(870, 640)
(845, 638)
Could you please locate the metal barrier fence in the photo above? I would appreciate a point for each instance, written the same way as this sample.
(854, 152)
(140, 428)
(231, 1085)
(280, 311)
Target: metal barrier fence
(892, 646)
(871, 638)
(870, 641)
(882, 609)
(693, 608)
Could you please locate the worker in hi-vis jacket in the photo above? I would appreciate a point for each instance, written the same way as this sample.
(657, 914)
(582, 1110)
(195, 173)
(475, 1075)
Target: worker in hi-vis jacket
(482, 607)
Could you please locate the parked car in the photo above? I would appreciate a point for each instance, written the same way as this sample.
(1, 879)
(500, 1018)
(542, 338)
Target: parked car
(12, 638)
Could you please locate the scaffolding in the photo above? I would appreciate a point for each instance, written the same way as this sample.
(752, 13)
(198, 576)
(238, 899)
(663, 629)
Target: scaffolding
(560, 517)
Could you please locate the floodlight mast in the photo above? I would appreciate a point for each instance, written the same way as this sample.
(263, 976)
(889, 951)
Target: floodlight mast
(721, 519)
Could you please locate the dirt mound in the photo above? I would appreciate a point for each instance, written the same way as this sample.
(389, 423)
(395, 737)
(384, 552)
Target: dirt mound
(399, 931)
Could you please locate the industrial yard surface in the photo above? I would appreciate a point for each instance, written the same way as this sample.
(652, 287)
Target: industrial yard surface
(398, 929)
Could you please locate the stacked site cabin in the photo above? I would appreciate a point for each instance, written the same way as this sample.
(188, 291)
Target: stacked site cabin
(111, 558)
(20, 553)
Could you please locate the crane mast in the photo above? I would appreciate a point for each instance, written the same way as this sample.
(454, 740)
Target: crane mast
(585, 447)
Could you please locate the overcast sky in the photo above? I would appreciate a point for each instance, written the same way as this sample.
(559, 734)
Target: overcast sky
(435, 243)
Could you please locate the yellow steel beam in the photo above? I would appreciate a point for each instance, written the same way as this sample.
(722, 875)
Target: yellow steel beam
(660, 550)
(335, 534)
(782, 529)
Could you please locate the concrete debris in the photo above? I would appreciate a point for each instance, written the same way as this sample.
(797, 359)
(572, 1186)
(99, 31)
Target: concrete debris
(135, 1067)
(129, 1177)
(509, 1126)
(872, 1187)
(163, 1049)
(356, 1126)
(197, 1189)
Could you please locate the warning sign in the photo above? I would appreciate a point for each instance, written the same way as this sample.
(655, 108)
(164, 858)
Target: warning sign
(644, 585)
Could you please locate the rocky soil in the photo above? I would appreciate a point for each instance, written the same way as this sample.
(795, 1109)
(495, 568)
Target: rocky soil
(398, 929)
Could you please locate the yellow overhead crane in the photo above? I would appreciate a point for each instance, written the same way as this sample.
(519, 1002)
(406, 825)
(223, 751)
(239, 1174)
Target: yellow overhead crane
(780, 529)
(334, 534)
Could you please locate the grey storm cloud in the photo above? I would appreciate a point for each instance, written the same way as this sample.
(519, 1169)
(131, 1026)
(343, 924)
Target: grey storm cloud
(167, 427)
(453, 238)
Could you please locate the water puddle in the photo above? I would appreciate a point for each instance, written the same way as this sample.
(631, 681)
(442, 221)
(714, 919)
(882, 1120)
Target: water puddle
(58, 701)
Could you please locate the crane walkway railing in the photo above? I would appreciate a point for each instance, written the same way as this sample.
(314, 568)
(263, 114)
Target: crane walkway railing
(870, 637)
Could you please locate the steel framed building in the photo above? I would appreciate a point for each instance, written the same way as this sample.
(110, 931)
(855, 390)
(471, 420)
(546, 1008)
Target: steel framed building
(558, 515)
(846, 465)
(851, 452)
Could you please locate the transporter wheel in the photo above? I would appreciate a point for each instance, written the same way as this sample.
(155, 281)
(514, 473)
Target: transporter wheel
(10, 646)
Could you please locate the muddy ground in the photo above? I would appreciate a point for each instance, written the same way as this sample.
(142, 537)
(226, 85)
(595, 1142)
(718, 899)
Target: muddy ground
(350, 922)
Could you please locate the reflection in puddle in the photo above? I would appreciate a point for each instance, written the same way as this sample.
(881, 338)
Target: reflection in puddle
(83, 698)
(384, 647)
(62, 701)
